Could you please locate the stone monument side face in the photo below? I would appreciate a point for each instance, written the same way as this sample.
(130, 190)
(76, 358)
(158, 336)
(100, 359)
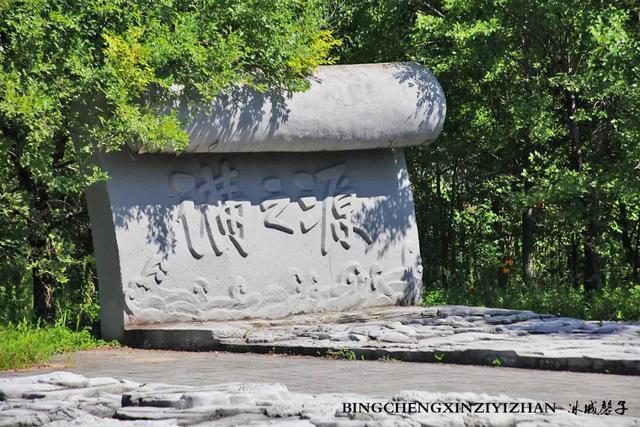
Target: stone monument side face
(233, 236)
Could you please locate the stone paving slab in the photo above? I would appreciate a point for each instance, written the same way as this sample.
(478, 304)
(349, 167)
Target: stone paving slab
(321, 375)
(443, 334)
(63, 398)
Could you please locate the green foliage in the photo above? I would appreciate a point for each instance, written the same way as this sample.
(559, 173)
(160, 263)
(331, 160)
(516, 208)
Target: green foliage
(73, 76)
(24, 344)
(530, 198)
(433, 297)
(387, 358)
(371, 30)
(561, 299)
(342, 353)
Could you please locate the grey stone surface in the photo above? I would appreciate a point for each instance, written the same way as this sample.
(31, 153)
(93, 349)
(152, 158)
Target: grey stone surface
(204, 237)
(320, 375)
(347, 107)
(283, 204)
(446, 334)
(35, 400)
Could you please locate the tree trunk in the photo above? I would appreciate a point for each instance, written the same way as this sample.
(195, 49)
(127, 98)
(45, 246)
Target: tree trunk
(625, 236)
(576, 162)
(573, 261)
(528, 226)
(630, 250)
(442, 232)
(42, 283)
(635, 259)
(574, 132)
(43, 298)
(592, 276)
(453, 205)
(592, 279)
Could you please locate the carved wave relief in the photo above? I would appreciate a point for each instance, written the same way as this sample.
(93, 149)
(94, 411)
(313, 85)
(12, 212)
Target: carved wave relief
(212, 216)
(154, 296)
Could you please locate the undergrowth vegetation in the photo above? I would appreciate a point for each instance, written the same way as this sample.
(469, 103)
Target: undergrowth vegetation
(609, 303)
(24, 344)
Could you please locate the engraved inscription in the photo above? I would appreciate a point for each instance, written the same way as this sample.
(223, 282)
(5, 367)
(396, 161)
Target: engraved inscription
(337, 210)
(334, 213)
(208, 210)
(275, 205)
(267, 237)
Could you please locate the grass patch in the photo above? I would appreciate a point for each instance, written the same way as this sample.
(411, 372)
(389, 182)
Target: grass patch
(609, 303)
(24, 344)
(342, 354)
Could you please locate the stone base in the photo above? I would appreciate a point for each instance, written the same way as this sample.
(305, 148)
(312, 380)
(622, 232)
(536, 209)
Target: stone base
(446, 334)
(64, 399)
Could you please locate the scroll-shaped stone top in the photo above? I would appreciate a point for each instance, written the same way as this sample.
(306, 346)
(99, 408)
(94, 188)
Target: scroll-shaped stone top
(347, 107)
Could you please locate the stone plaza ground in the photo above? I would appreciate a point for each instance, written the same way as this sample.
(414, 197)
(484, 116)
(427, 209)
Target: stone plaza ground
(225, 388)
(232, 389)
(449, 334)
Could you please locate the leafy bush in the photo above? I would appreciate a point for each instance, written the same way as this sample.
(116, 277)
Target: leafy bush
(72, 77)
(530, 197)
(24, 344)
(342, 354)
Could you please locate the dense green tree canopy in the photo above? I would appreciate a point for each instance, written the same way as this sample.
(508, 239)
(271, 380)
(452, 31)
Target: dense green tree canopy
(535, 181)
(71, 69)
(530, 198)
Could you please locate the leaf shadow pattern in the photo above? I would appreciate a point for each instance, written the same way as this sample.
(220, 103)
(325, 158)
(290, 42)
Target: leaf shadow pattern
(159, 233)
(382, 219)
(431, 106)
(239, 116)
(390, 217)
(236, 116)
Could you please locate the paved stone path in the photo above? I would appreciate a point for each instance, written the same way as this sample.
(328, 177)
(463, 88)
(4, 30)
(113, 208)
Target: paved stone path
(438, 335)
(449, 334)
(62, 399)
(322, 375)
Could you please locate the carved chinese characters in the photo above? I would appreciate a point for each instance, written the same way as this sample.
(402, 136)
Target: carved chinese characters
(221, 237)
(334, 212)
(274, 205)
(209, 213)
(281, 203)
(206, 208)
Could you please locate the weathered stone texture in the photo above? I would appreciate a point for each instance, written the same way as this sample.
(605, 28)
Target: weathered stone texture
(206, 237)
(282, 204)
(63, 398)
(347, 107)
(446, 334)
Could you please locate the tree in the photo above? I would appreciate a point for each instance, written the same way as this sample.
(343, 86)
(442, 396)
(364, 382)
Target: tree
(81, 68)
(553, 86)
(537, 166)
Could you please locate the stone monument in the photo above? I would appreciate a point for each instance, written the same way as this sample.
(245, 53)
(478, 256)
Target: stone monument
(282, 204)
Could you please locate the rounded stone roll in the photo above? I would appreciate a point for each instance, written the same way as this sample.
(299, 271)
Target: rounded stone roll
(347, 107)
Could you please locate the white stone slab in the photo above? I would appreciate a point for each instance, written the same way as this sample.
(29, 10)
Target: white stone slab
(235, 404)
(444, 334)
(201, 237)
(283, 204)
